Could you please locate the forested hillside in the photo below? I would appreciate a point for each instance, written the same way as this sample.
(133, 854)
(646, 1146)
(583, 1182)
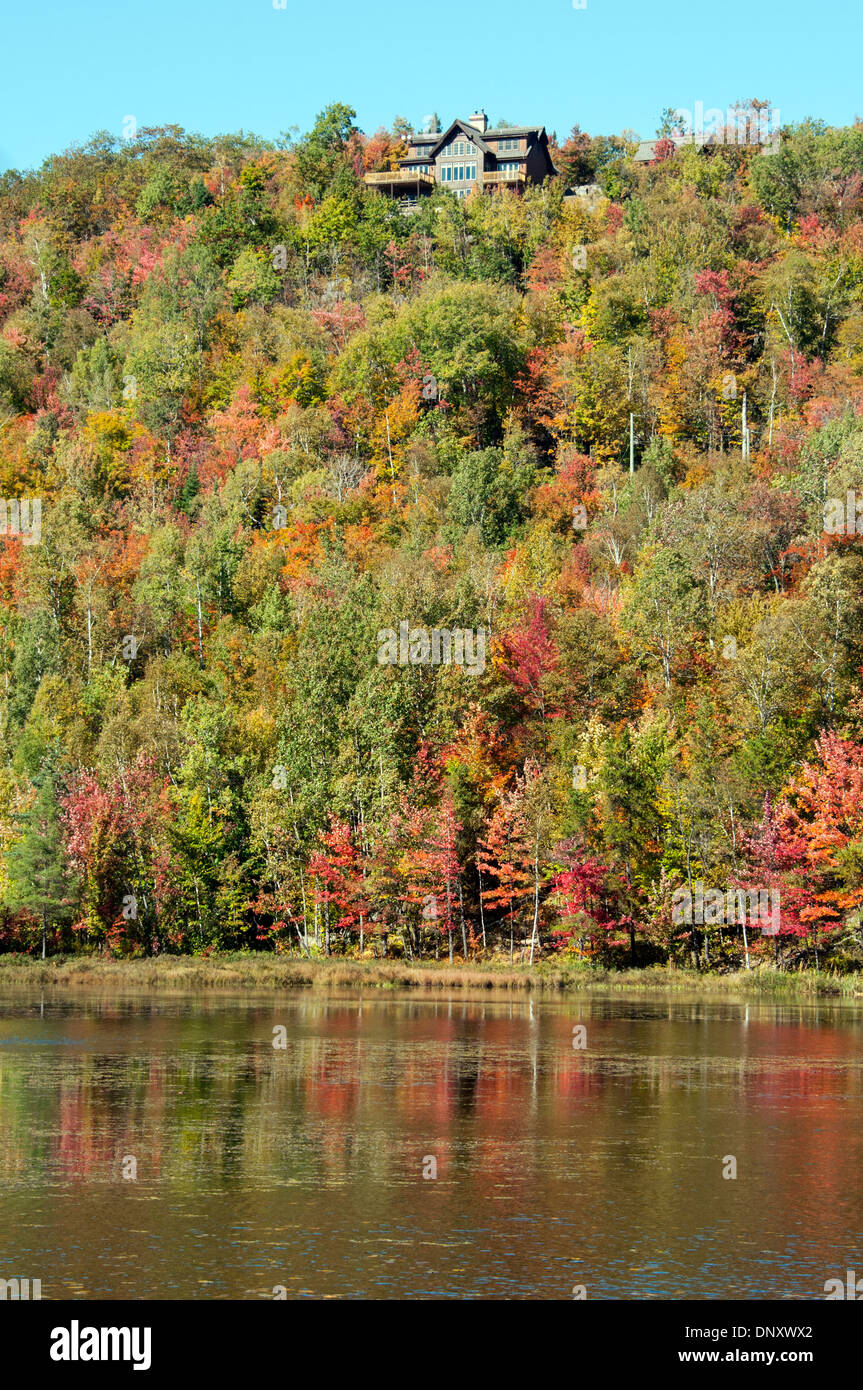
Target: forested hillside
(273, 450)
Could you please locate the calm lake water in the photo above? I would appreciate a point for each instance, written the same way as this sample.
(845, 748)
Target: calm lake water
(303, 1167)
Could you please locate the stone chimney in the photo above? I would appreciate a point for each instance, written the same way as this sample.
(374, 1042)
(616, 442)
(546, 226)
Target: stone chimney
(480, 121)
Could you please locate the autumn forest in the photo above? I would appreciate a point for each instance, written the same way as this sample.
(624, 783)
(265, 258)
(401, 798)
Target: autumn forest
(471, 581)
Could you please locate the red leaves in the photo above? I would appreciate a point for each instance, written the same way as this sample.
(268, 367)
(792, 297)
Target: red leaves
(529, 657)
(112, 831)
(573, 486)
(337, 866)
(662, 151)
(824, 811)
(715, 283)
(582, 894)
(799, 847)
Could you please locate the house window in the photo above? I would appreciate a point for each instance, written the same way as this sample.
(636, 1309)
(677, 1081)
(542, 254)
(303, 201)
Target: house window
(457, 173)
(508, 144)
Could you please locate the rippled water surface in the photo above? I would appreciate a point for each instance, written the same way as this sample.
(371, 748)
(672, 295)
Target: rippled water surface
(303, 1167)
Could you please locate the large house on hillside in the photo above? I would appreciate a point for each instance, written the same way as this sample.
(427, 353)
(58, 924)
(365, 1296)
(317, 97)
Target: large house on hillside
(468, 156)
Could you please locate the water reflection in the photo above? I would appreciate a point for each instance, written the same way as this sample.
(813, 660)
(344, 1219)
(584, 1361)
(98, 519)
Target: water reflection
(303, 1166)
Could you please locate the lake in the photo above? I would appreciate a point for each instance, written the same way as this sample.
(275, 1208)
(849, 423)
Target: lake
(428, 1146)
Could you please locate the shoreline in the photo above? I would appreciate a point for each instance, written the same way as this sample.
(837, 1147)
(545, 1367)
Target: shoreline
(234, 972)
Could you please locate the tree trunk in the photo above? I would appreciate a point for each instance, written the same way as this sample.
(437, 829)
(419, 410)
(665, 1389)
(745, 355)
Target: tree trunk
(536, 896)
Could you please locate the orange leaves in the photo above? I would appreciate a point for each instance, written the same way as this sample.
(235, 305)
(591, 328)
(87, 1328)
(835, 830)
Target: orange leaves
(506, 854)
(572, 487)
(359, 544)
(548, 383)
(546, 270)
(828, 798)
(305, 544)
(12, 580)
(237, 428)
(484, 755)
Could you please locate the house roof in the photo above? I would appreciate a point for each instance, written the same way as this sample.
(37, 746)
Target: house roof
(480, 138)
(647, 149)
(501, 131)
(444, 137)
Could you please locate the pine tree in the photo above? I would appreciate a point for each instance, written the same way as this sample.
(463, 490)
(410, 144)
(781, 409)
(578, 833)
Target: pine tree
(38, 879)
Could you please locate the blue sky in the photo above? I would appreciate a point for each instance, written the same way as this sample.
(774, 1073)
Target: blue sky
(221, 65)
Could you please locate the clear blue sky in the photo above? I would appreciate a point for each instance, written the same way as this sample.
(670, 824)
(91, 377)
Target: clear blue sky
(213, 66)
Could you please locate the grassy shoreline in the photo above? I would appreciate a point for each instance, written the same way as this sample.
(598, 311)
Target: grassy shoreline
(243, 972)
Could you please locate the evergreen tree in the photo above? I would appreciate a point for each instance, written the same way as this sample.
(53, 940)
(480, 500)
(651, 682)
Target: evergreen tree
(38, 878)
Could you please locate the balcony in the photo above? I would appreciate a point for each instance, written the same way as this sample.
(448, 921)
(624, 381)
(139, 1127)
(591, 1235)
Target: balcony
(505, 176)
(400, 181)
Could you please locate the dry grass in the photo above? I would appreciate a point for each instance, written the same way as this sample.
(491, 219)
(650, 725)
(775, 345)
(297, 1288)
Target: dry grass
(244, 972)
(235, 972)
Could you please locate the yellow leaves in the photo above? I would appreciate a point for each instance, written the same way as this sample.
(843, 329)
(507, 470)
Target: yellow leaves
(672, 420)
(13, 803)
(534, 565)
(258, 729)
(396, 424)
(110, 435)
(398, 151)
(108, 430)
(392, 431)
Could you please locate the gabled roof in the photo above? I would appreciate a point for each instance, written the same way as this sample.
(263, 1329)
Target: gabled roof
(470, 131)
(435, 142)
